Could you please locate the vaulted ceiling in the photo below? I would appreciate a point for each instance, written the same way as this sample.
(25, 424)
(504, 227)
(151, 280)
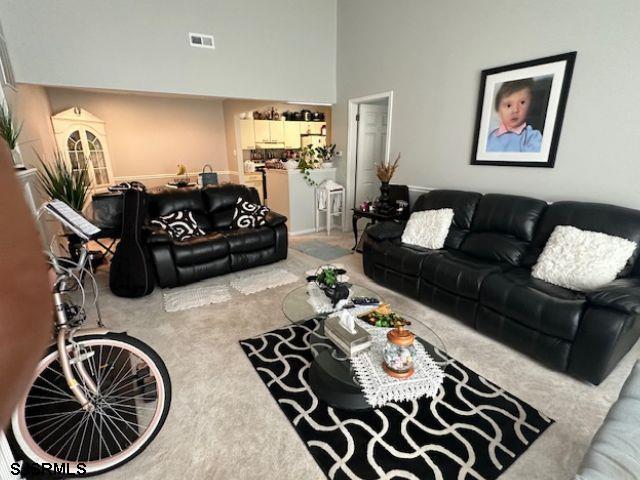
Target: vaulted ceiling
(276, 49)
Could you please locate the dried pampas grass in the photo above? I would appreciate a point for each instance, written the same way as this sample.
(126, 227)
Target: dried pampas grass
(385, 171)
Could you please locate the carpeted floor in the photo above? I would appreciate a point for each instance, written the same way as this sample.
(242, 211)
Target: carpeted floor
(224, 424)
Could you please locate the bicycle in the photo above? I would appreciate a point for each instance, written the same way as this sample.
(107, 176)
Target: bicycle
(98, 398)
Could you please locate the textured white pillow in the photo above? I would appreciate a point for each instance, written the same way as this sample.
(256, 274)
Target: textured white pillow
(582, 260)
(429, 228)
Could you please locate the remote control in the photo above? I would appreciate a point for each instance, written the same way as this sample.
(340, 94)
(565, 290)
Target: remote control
(365, 301)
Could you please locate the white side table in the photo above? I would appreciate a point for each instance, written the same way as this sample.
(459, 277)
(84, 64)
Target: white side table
(328, 193)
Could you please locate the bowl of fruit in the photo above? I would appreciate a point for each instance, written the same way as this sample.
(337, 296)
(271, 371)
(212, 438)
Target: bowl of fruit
(383, 316)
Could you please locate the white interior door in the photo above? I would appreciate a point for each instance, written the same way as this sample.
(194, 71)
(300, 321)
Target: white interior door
(371, 148)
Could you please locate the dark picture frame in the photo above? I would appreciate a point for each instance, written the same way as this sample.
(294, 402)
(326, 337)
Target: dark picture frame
(541, 86)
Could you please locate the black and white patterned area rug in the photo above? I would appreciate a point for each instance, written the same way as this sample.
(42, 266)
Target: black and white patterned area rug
(472, 429)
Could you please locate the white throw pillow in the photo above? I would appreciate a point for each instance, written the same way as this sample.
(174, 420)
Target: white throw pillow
(582, 260)
(429, 228)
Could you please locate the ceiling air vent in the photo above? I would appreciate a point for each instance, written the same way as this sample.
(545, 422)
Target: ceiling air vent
(200, 40)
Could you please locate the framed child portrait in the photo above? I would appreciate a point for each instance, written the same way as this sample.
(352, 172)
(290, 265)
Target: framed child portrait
(520, 112)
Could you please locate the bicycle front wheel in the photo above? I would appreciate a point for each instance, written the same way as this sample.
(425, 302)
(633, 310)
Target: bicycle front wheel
(131, 404)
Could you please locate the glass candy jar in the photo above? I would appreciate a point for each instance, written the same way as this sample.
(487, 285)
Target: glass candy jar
(399, 353)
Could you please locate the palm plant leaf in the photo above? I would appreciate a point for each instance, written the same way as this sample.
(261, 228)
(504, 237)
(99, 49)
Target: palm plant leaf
(8, 130)
(60, 182)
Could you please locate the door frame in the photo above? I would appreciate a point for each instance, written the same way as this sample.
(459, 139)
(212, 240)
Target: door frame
(352, 141)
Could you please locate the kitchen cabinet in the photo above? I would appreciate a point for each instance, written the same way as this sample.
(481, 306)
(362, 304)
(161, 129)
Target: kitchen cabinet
(311, 128)
(262, 133)
(269, 133)
(276, 128)
(313, 140)
(247, 137)
(279, 134)
(292, 135)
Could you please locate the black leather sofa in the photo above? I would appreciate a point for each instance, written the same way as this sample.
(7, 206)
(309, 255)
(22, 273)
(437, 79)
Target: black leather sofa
(222, 249)
(482, 276)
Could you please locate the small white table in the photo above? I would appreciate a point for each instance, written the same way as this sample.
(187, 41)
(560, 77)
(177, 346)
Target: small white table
(332, 192)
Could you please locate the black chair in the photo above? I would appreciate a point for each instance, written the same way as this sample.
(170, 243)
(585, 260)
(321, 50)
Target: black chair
(106, 214)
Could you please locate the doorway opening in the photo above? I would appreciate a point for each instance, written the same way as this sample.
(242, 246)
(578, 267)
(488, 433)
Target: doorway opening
(368, 144)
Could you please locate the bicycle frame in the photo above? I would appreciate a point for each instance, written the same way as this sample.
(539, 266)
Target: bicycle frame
(114, 383)
(69, 351)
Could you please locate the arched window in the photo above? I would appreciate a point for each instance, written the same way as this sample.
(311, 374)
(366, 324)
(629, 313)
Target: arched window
(82, 137)
(76, 152)
(96, 157)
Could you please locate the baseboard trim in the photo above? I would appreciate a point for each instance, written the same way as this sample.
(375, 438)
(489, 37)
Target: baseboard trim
(419, 189)
(125, 178)
(303, 232)
(313, 230)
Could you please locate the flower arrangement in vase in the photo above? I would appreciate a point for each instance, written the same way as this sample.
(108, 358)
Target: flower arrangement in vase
(384, 172)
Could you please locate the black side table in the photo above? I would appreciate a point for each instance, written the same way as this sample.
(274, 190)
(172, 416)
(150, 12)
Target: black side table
(374, 217)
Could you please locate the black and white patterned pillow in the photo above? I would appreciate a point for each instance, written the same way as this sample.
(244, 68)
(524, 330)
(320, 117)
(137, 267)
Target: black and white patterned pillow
(179, 225)
(249, 215)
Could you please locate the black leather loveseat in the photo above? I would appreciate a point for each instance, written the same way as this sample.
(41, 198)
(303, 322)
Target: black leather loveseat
(222, 249)
(483, 277)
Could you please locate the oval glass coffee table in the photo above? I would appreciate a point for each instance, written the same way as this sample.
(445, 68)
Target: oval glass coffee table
(331, 376)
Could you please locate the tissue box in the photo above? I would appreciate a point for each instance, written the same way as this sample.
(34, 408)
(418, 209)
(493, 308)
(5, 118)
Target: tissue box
(350, 343)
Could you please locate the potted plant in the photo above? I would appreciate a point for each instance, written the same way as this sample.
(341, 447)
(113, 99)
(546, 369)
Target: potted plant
(307, 162)
(325, 154)
(61, 182)
(10, 133)
(384, 172)
(327, 278)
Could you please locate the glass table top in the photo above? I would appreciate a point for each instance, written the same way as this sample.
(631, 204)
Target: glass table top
(331, 374)
(297, 310)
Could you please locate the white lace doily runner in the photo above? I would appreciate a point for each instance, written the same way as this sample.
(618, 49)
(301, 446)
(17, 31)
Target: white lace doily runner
(320, 302)
(379, 387)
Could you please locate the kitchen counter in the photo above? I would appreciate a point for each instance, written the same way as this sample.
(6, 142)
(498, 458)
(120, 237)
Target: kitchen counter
(254, 179)
(289, 194)
(295, 171)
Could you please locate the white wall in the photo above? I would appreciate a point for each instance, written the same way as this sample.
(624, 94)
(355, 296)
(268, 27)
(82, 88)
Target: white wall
(275, 49)
(30, 107)
(149, 135)
(430, 53)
